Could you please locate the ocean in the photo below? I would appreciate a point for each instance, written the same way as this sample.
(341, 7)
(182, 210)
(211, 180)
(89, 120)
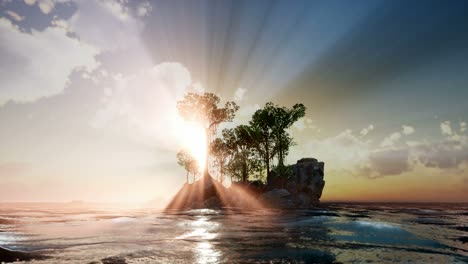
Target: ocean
(330, 233)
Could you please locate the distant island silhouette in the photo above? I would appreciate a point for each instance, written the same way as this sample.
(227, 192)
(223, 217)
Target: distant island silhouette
(245, 155)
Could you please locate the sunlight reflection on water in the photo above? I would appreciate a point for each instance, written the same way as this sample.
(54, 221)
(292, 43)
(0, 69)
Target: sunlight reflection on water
(206, 253)
(203, 230)
(340, 233)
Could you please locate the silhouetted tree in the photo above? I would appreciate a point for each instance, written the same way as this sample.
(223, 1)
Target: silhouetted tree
(269, 131)
(189, 163)
(243, 160)
(284, 119)
(203, 109)
(221, 152)
(262, 124)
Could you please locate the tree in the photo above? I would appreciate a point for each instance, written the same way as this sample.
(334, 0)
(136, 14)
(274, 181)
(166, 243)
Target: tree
(269, 127)
(262, 124)
(202, 108)
(284, 119)
(221, 152)
(189, 163)
(243, 161)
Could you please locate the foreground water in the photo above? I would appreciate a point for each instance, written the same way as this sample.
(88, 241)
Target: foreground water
(333, 233)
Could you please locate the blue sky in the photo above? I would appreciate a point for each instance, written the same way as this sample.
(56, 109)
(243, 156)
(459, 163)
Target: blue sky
(87, 102)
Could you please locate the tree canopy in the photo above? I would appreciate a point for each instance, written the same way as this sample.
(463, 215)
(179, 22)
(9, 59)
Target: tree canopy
(244, 160)
(203, 109)
(240, 151)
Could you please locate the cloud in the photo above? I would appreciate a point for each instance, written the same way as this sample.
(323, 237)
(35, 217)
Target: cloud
(117, 27)
(408, 130)
(144, 9)
(118, 36)
(351, 154)
(239, 94)
(14, 15)
(343, 151)
(391, 140)
(388, 162)
(449, 153)
(354, 154)
(46, 6)
(305, 123)
(118, 9)
(445, 155)
(462, 126)
(146, 101)
(30, 2)
(300, 124)
(38, 64)
(366, 130)
(446, 128)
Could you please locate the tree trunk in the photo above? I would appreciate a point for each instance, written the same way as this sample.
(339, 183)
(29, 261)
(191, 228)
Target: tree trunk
(267, 156)
(244, 172)
(280, 156)
(221, 176)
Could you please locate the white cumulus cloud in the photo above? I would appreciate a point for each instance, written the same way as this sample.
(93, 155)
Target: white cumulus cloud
(408, 130)
(462, 126)
(14, 15)
(46, 6)
(38, 64)
(366, 130)
(391, 140)
(239, 94)
(446, 128)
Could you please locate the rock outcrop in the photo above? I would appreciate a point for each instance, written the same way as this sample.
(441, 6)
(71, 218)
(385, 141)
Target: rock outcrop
(300, 187)
(308, 175)
(304, 186)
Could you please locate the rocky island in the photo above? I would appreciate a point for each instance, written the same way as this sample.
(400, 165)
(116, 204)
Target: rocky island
(244, 166)
(302, 189)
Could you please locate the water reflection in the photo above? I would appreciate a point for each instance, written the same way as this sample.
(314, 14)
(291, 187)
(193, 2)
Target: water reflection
(201, 231)
(332, 234)
(206, 253)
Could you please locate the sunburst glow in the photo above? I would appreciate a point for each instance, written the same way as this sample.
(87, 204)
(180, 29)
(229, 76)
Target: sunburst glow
(192, 137)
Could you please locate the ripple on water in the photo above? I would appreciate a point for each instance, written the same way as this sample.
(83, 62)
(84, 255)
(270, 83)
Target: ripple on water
(215, 236)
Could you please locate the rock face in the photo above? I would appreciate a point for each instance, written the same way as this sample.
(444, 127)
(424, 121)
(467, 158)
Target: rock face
(304, 187)
(308, 174)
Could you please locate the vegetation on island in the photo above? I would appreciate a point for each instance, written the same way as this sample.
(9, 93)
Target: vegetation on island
(245, 152)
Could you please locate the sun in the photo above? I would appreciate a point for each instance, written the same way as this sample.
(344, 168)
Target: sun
(192, 137)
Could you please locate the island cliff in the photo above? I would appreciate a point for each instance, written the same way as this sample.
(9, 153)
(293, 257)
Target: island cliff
(302, 188)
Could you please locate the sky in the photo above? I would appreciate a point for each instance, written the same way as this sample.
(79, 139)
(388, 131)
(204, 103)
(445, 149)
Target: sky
(89, 89)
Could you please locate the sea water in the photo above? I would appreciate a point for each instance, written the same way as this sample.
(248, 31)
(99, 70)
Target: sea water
(330, 233)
